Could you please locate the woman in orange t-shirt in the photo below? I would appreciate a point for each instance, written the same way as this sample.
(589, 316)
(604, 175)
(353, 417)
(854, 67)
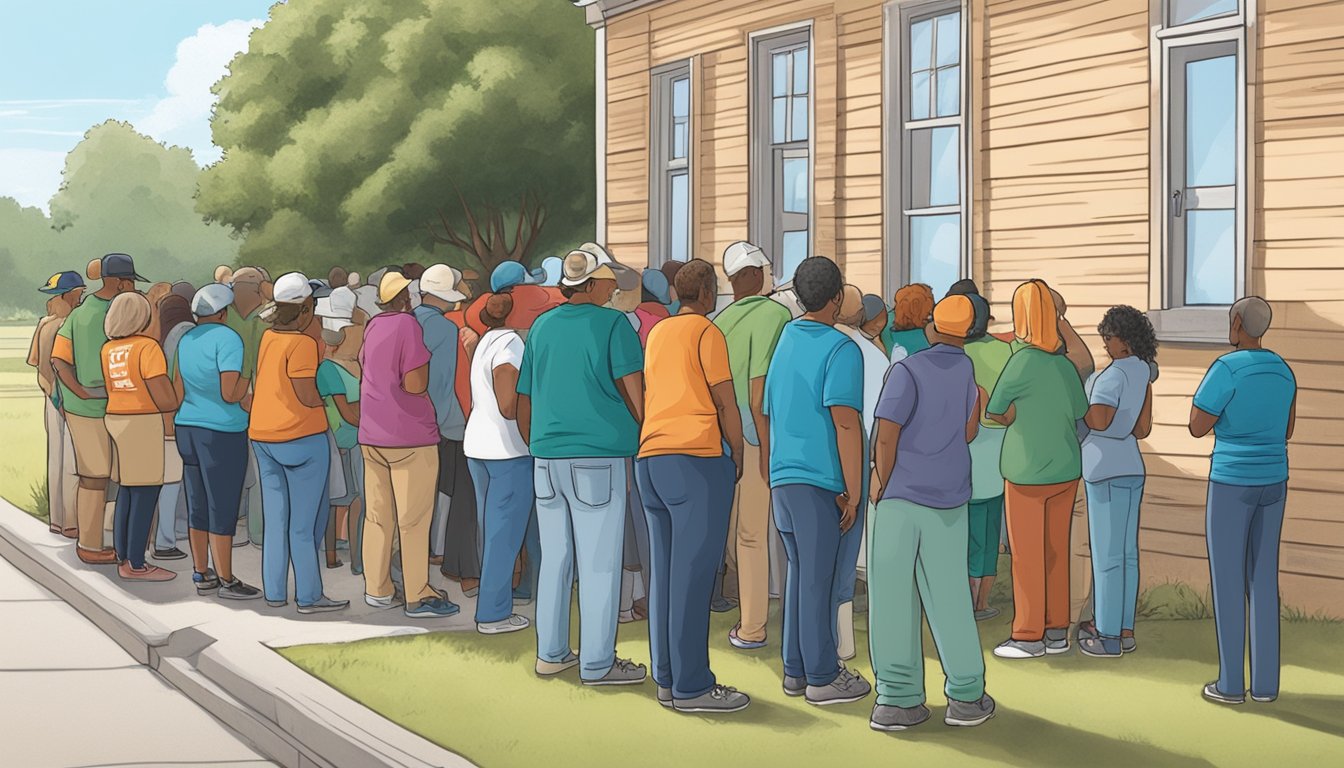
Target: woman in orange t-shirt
(138, 394)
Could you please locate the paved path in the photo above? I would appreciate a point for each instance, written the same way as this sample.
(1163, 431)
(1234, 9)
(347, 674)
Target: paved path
(70, 696)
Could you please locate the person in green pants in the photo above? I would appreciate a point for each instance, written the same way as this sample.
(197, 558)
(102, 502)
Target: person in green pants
(927, 415)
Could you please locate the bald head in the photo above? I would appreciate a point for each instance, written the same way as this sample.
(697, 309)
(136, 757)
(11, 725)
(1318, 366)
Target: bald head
(1255, 315)
(851, 306)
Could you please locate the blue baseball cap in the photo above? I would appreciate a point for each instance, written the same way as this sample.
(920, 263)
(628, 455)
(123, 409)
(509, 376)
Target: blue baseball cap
(511, 273)
(121, 265)
(62, 283)
(554, 267)
(655, 282)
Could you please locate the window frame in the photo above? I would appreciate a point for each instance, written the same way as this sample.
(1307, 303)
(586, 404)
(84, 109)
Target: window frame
(662, 166)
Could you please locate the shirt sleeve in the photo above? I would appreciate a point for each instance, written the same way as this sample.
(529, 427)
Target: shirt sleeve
(1108, 387)
(229, 353)
(972, 397)
(328, 381)
(626, 355)
(1216, 390)
(33, 347)
(414, 344)
(763, 339)
(510, 354)
(714, 356)
(302, 360)
(843, 381)
(1077, 397)
(1008, 388)
(525, 372)
(897, 401)
(152, 362)
(63, 348)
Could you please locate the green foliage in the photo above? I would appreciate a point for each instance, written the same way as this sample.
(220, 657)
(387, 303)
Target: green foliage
(39, 502)
(1174, 600)
(348, 127)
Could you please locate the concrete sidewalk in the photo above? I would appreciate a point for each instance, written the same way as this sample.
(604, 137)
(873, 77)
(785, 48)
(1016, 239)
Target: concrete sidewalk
(72, 697)
(220, 653)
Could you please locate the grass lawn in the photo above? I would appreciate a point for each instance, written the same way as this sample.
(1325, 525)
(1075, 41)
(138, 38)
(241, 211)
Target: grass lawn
(23, 440)
(478, 696)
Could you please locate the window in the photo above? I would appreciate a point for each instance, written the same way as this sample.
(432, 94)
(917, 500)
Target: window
(670, 164)
(1203, 167)
(927, 160)
(782, 154)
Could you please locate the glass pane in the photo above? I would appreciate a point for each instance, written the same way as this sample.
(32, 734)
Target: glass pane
(681, 97)
(679, 140)
(1210, 257)
(949, 40)
(795, 185)
(794, 249)
(798, 119)
(921, 45)
(779, 112)
(1186, 11)
(679, 220)
(1210, 122)
(935, 251)
(949, 92)
(800, 71)
(919, 96)
(935, 167)
(779, 79)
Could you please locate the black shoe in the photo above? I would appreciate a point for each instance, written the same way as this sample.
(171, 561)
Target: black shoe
(172, 553)
(206, 583)
(237, 590)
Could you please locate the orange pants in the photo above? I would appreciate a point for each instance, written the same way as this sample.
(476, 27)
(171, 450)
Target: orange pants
(1038, 519)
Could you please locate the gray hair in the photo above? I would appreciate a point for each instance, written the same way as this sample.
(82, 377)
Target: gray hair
(127, 315)
(1255, 314)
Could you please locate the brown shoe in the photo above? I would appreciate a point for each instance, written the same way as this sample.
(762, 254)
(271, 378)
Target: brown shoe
(100, 557)
(148, 573)
(70, 533)
(436, 559)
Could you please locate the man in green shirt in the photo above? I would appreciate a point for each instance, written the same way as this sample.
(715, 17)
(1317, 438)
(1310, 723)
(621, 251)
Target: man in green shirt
(244, 318)
(77, 358)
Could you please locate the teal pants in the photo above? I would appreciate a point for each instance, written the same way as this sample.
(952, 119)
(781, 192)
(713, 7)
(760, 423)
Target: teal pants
(917, 556)
(986, 522)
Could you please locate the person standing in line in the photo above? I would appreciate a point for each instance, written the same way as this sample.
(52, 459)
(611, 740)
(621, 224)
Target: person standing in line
(911, 313)
(581, 400)
(77, 359)
(1039, 398)
(686, 480)
(288, 430)
(927, 415)
(172, 318)
(211, 429)
(813, 401)
(65, 289)
(1119, 414)
(139, 397)
(1248, 399)
(655, 296)
(751, 325)
(338, 383)
(670, 268)
(461, 542)
(249, 299)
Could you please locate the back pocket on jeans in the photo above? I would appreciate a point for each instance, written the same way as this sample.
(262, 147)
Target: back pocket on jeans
(592, 485)
(541, 481)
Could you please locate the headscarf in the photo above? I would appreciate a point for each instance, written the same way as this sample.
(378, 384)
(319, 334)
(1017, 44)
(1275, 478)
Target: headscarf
(1035, 320)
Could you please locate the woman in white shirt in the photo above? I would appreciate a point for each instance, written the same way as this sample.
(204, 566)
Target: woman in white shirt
(500, 465)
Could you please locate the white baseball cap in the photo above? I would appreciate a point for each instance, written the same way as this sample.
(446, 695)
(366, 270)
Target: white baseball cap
(292, 288)
(441, 281)
(741, 255)
(211, 300)
(337, 310)
(592, 261)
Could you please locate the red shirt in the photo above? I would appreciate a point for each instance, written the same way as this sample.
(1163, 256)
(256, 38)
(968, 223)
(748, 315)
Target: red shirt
(462, 380)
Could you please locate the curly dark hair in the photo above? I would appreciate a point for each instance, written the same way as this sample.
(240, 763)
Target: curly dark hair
(1132, 327)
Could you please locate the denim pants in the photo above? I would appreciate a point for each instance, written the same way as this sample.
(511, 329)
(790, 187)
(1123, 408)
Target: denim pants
(809, 524)
(688, 501)
(1243, 525)
(504, 504)
(132, 518)
(1113, 527)
(214, 465)
(172, 526)
(581, 522)
(293, 478)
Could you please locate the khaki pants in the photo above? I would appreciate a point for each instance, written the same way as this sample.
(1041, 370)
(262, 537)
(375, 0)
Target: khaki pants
(62, 482)
(93, 460)
(400, 485)
(749, 533)
(1080, 562)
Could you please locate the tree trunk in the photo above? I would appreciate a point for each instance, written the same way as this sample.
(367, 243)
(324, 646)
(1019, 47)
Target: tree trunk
(485, 240)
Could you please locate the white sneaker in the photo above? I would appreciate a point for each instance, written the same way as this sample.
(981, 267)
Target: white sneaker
(514, 623)
(1020, 649)
(548, 668)
(378, 602)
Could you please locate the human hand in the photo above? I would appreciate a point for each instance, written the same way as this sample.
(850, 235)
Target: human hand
(849, 511)
(876, 488)
(737, 466)
(469, 341)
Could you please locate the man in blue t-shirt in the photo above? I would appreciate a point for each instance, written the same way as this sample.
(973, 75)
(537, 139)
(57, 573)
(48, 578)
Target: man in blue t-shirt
(1248, 399)
(813, 398)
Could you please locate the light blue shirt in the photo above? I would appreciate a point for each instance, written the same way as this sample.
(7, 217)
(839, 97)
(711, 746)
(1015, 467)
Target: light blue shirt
(814, 368)
(1251, 392)
(1114, 452)
(441, 338)
(203, 353)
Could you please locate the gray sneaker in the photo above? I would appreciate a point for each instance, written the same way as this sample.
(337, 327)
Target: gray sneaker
(623, 672)
(1056, 641)
(985, 614)
(720, 698)
(548, 668)
(665, 696)
(1020, 649)
(888, 718)
(969, 714)
(1128, 644)
(237, 590)
(847, 687)
(795, 686)
(513, 623)
(324, 604)
(374, 601)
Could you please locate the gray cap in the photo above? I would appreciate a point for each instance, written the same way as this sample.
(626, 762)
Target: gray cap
(211, 300)
(872, 307)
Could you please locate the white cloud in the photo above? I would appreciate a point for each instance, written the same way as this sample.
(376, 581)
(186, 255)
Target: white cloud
(183, 117)
(30, 176)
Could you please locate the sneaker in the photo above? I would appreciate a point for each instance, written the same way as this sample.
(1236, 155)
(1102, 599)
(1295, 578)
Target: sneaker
(1264, 699)
(172, 553)
(623, 672)
(721, 604)
(985, 614)
(665, 697)
(433, 608)
(1056, 641)
(206, 583)
(1100, 647)
(147, 573)
(474, 591)
(324, 604)
(373, 601)
(719, 699)
(888, 718)
(548, 668)
(738, 642)
(1087, 629)
(847, 687)
(1020, 649)
(1212, 693)
(521, 598)
(968, 714)
(237, 590)
(277, 603)
(1128, 644)
(795, 686)
(514, 623)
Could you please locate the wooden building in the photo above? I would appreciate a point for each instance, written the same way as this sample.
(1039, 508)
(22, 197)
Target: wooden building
(1173, 155)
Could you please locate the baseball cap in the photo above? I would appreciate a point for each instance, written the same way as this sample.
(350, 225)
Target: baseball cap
(554, 267)
(337, 310)
(320, 289)
(655, 282)
(392, 284)
(741, 255)
(211, 300)
(873, 305)
(591, 261)
(121, 265)
(62, 283)
(441, 281)
(291, 288)
(954, 316)
(511, 273)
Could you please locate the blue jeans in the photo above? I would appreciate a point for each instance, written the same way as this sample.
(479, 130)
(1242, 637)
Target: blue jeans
(172, 526)
(687, 501)
(809, 524)
(581, 522)
(293, 478)
(131, 521)
(214, 468)
(1243, 525)
(504, 504)
(1113, 530)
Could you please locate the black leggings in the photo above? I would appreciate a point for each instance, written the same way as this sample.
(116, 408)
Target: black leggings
(133, 520)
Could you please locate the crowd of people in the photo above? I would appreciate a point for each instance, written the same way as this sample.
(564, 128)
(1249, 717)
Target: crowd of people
(673, 449)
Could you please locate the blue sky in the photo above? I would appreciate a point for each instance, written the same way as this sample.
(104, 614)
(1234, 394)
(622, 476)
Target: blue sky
(66, 65)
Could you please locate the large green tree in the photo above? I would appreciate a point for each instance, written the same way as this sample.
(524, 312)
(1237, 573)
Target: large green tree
(369, 133)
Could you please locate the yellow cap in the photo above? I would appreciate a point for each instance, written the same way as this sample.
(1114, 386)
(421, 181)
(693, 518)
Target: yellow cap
(954, 316)
(392, 284)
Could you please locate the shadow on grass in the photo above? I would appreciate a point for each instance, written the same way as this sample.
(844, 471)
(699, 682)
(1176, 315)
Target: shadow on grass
(1318, 713)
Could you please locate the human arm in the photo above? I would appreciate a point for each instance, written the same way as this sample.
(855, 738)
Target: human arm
(887, 436)
(627, 366)
(849, 442)
(524, 415)
(505, 382)
(1212, 396)
(1075, 350)
(1002, 407)
(1143, 426)
(730, 421)
(348, 410)
(161, 391)
(1201, 422)
(1006, 418)
(756, 397)
(232, 386)
(973, 423)
(65, 371)
(632, 391)
(416, 380)
(1292, 417)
